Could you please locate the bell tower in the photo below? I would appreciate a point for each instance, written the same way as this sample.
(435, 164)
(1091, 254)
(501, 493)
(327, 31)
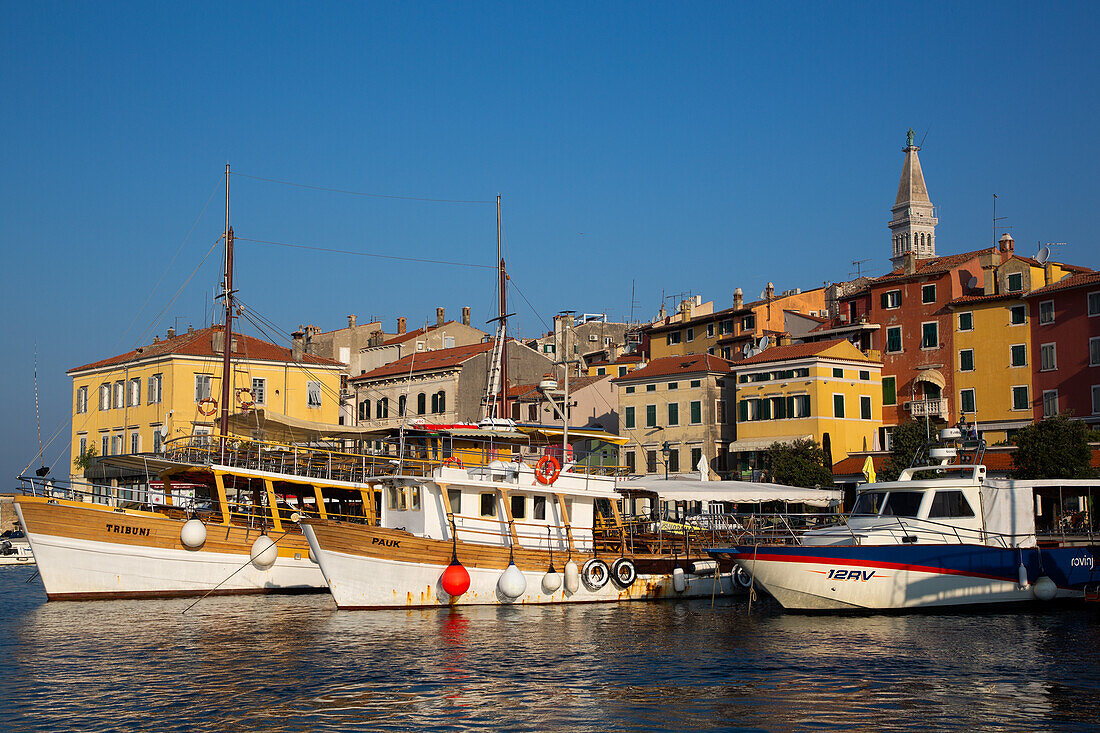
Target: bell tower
(913, 226)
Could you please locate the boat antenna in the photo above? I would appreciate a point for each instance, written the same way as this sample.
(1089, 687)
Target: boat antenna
(227, 340)
(40, 472)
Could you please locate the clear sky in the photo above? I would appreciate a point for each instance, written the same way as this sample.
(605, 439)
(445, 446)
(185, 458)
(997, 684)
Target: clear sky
(666, 147)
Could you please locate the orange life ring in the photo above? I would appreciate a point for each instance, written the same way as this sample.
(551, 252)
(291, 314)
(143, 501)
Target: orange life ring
(452, 461)
(208, 402)
(245, 398)
(547, 469)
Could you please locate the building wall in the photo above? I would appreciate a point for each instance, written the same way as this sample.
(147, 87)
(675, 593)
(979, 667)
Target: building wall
(392, 389)
(1074, 376)
(449, 335)
(525, 366)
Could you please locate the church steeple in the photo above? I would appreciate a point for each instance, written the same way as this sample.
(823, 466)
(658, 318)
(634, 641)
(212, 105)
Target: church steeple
(913, 226)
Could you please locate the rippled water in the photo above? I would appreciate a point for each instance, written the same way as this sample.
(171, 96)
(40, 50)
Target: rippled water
(296, 663)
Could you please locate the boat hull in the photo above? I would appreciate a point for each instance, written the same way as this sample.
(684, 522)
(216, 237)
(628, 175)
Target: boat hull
(373, 568)
(93, 552)
(911, 577)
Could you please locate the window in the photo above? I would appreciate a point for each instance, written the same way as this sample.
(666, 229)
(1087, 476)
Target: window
(902, 504)
(135, 442)
(628, 417)
(695, 383)
(893, 340)
(674, 385)
(600, 371)
(82, 400)
(674, 461)
(1018, 355)
(548, 348)
(966, 321)
(83, 446)
(651, 388)
(1050, 403)
(673, 337)
(890, 299)
(720, 412)
(202, 387)
(488, 504)
(710, 330)
(673, 413)
(313, 394)
(120, 394)
(691, 334)
(259, 391)
(864, 375)
(105, 397)
(454, 498)
(725, 326)
(435, 404)
(116, 445)
(1017, 314)
(1048, 358)
(696, 455)
(421, 403)
(1094, 303)
(622, 372)
(539, 507)
(864, 407)
(748, 323)
(1015, 282)
(799, 406)
(889, 390)
(519, 506)
(364, 410)
(134, 393)
(651, 461)
(105, 445)
(382, 408)
(928, 294)
(949, 504)
(838, 373)
(630, 465)
(930, 335)
(630, 390)
(838, 405)
(1094, 351)
(1046, 311)
(158, 439)
(695, 412)
(155, 389)
(1020, 400)
(966, 401)
(966, 360)
(1095, 399)
(651, 416)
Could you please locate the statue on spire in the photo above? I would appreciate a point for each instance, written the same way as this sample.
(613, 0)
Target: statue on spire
(909, 138)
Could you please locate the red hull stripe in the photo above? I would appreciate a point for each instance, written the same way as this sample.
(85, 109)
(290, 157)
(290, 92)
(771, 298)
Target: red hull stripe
(869, 564)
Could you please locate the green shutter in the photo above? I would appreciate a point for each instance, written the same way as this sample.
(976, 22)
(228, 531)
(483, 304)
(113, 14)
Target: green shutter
(765, 409)
(743, 410)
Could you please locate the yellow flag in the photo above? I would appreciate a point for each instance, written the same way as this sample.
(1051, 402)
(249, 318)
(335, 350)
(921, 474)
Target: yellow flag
(869, 470)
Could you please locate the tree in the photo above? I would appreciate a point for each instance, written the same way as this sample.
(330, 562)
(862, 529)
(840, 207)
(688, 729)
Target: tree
(1056, 447)
(801, 463)
(85, 459)
(905, 440)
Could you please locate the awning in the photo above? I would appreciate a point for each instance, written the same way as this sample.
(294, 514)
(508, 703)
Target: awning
(737, 492)
(280, 428)
(753, 444)
(932, 376)
(550, 433)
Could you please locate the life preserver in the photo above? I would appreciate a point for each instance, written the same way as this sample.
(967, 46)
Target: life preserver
(206, 402)
(547, 470)
(245, 398)
(595, 574)
(452, 461)
(741, 577)
(623, 573)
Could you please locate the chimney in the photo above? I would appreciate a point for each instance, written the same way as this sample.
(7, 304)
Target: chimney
(375, 338)
(298, 344)
(661, 313)
(687, 309)
(1048, 273)
(217, 340)
(784, 339)
(351, 321)
(401, 325)
(190, 329)
(769, 291)
(440, 316)
(170, 334)
(1006, 243)
(909, 265)
(466, 316)
(738, 299)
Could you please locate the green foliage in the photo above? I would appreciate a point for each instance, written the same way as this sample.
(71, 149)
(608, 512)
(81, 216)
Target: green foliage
(801, 463)
(85, 459)
(1056, 447)
(905, 440)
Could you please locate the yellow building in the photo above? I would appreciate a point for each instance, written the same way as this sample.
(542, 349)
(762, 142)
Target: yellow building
(827, 390)
(992, 342)
(622, 365)
(137, 401)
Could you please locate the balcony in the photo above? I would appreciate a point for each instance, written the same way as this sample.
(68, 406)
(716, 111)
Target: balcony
(928, 408)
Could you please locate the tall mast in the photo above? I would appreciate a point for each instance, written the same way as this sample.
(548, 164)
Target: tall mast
(227, 340)
(503, 330)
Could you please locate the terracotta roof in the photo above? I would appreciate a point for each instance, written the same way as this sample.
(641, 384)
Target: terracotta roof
(798, 351)
(403, 337)
(819, 319)
(200, 343)
(1079, 280)
(987, 298)
(934, 265)
(427, 361)
(745, 308)
(690, 364)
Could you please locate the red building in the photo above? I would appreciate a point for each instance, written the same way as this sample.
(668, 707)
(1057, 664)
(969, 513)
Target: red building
(1065, 343)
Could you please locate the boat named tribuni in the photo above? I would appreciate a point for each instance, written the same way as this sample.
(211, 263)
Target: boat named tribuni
(943, 534)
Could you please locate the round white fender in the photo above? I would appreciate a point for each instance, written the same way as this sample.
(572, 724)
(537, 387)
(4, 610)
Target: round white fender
(1022, 572)
(1044, 588)
(704, 567)
(264, 552)
(679, 580)
(512, 584)
(551, 581)
(193, 534)
(572, 577)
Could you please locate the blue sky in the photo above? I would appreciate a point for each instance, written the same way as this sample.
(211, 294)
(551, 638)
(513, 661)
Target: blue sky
(673, 147)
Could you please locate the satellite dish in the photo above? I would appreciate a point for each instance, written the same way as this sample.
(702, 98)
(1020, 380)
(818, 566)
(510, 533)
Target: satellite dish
(749, 351)
(1043, 255)
(973, 283)
(765, 343)
(763, 294)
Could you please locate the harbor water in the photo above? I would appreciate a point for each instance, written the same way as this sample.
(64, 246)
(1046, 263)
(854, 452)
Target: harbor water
(286, 663)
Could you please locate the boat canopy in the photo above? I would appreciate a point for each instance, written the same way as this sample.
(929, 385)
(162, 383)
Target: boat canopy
(551, 433)
(737, 492)
(280, 428)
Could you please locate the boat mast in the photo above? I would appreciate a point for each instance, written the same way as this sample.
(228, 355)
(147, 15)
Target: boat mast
(503, 330)
(227, 340)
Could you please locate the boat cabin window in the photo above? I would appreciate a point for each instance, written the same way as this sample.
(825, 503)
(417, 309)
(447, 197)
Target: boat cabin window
(869, 502)
(414, 498)
(902, 504)
(489, 504)
(540, 507)
(519, 507)
(950, 504)
(454, 496)
(402, 498)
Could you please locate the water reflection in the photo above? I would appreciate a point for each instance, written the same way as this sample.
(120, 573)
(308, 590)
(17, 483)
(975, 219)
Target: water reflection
(295, 663)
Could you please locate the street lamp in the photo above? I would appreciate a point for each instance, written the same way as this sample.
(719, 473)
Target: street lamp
(666, 451)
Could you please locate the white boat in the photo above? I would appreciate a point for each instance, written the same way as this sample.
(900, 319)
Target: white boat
(14, 549)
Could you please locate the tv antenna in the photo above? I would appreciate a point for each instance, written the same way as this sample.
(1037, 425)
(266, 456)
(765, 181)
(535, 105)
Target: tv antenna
(996, 219)
(1044, 252)
(858, 265)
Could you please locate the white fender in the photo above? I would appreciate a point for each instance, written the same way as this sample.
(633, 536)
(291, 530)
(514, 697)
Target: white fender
(512, 584)
(264, 552)
(1044, 588)
(572, 577)
(679, 581)
(551, 581)
(193, 534)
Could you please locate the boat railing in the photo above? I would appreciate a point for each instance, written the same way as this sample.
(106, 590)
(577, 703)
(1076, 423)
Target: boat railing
(530, 535)
(138, 496)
